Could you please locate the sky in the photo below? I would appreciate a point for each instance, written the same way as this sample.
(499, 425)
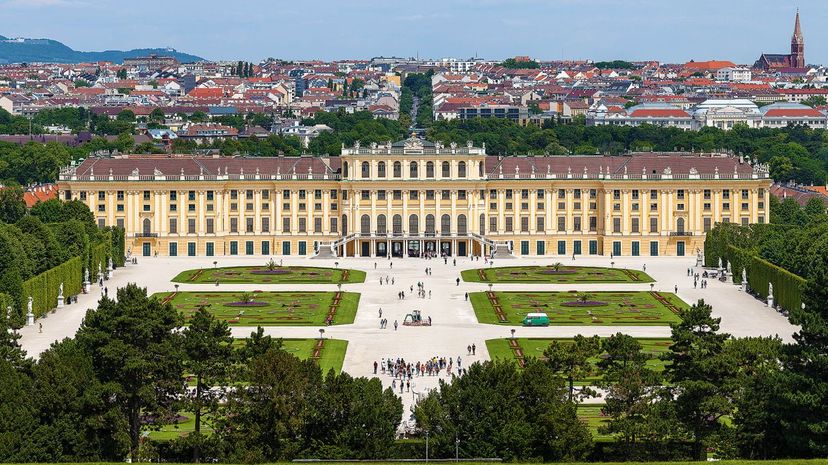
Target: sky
(666, 30)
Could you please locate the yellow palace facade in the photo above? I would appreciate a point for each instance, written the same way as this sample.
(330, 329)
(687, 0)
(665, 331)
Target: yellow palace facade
(413, 197)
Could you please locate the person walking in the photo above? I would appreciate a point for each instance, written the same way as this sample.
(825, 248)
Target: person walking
(380, 312)
(395, 325)
(676, 289)
(467, 296)
(474, 349)
(375, 367)
(458, 281)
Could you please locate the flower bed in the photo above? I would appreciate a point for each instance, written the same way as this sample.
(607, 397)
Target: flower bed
(558, 272)
(584, 303)
(253, 303)
(266, 272)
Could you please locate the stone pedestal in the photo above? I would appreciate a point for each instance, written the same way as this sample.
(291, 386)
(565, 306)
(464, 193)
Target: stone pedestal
(86, 287)
(770, 301)
(30, 319)
(61, 303)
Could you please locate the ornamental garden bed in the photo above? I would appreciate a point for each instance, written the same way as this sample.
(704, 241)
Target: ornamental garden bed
(521, 349)
(270, 308)
(270, 273)
(634, 308)
(555, 274)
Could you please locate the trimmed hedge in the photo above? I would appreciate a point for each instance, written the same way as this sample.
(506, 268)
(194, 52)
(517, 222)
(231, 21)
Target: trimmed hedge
(99, 255)
(787, 287)
(45, 287)
(118, 241)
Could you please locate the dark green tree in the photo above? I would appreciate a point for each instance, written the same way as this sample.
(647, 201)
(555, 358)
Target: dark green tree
(208, 355)
(136, 355)
(573, 361)
(12, 207)
(698, 374)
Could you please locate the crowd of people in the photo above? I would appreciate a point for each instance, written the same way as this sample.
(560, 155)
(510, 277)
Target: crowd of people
(403, 372)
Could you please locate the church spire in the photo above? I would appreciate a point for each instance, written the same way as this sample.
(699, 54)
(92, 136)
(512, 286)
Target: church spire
(797, 57)
(797, 35)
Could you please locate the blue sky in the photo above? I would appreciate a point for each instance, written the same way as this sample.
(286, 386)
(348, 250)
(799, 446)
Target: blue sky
(666, 30)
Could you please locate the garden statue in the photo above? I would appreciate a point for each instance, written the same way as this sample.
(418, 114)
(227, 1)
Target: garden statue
(770, 295)
(29, 312)
(720, 263)
(60, 299)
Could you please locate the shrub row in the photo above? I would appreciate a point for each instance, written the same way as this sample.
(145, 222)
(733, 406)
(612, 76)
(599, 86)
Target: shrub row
(45, 287)
(787, 287)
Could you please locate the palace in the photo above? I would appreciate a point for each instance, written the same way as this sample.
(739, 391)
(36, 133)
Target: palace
(415, 197)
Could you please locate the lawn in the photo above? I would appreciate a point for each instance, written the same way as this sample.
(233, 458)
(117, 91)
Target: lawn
(331, 356)
(534, 347)
(269, 308)
(555, 275)
(633, 308)
(594, 419)
(272, 274)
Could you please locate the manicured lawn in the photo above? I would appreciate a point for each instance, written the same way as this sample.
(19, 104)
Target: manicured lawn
(277, 275)
(594, 419)
(634, 308)
(330, 358)
(184, 426)
(534, 347)
(269, 308)
(548, 274)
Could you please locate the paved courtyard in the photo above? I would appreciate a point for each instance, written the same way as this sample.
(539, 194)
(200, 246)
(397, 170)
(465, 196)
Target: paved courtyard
(454, 323)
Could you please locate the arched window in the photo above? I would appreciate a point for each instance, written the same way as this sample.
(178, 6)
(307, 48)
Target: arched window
(446, 170)
(482, 224)
(147, 226)
(430, 169)
(381, 169)
(412, 170)
(365, 224)
(429, 224)
(397, 169)
(396, 223)
(366, 170)
(381, 224)
(461, 224)
(413, 224)
(445, 225)
(345, 169)
(344, 225)
(461, 169)
(680, 225)
(480, 169)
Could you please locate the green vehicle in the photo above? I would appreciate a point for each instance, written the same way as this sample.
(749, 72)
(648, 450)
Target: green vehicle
(536, 319)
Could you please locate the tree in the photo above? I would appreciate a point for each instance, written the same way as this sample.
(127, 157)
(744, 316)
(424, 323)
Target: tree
(76, 421)
(136, 354)
(632, 391)
(815, 101)
(573, 361)
(208, 351)
(121, 74)
(12, 207)
(698, 374)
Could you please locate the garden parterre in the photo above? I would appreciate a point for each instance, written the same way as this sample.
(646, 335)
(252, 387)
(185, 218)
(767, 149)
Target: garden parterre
(621, 308)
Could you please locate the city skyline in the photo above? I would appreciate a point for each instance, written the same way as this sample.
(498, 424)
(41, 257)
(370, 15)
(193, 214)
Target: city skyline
(609, 29)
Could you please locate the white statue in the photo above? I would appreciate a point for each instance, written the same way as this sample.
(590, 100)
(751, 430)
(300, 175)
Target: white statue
(60, 290)
(86, 275)
(770, 290)
(30, 313)
(720, 263)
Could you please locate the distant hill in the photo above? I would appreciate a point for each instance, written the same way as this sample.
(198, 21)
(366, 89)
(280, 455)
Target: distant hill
(51, 51)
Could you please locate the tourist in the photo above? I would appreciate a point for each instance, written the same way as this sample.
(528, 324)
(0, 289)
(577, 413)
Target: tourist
(458, 281)
(375, 265)
(676, 289)
(380, 312)
(40, 327)
(474, 349)
(467, 296)
(644, 267)
(380, 281)
(429, 293)
(429, 321)
(391, 265)
(395, 325)
(408, 386)
(375, 367)
(468, 350)
(392, 280)
(454, 262)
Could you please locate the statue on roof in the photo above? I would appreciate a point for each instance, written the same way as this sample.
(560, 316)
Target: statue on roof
(693, 170)
(157, 172)
(668, 171)
(135, 172)
(356, 145)
(453, 145)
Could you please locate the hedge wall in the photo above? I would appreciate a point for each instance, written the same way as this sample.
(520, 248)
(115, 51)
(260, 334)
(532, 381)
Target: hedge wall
(118, 246)
(787, 287)
(99, 255)
(45, 287)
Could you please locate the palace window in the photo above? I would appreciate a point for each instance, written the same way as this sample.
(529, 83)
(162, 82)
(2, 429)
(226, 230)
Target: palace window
(446, 170)
(412, 170)
(397, 169)
(430, 169)
(366, 170)
(381, 169)
(461, 169)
